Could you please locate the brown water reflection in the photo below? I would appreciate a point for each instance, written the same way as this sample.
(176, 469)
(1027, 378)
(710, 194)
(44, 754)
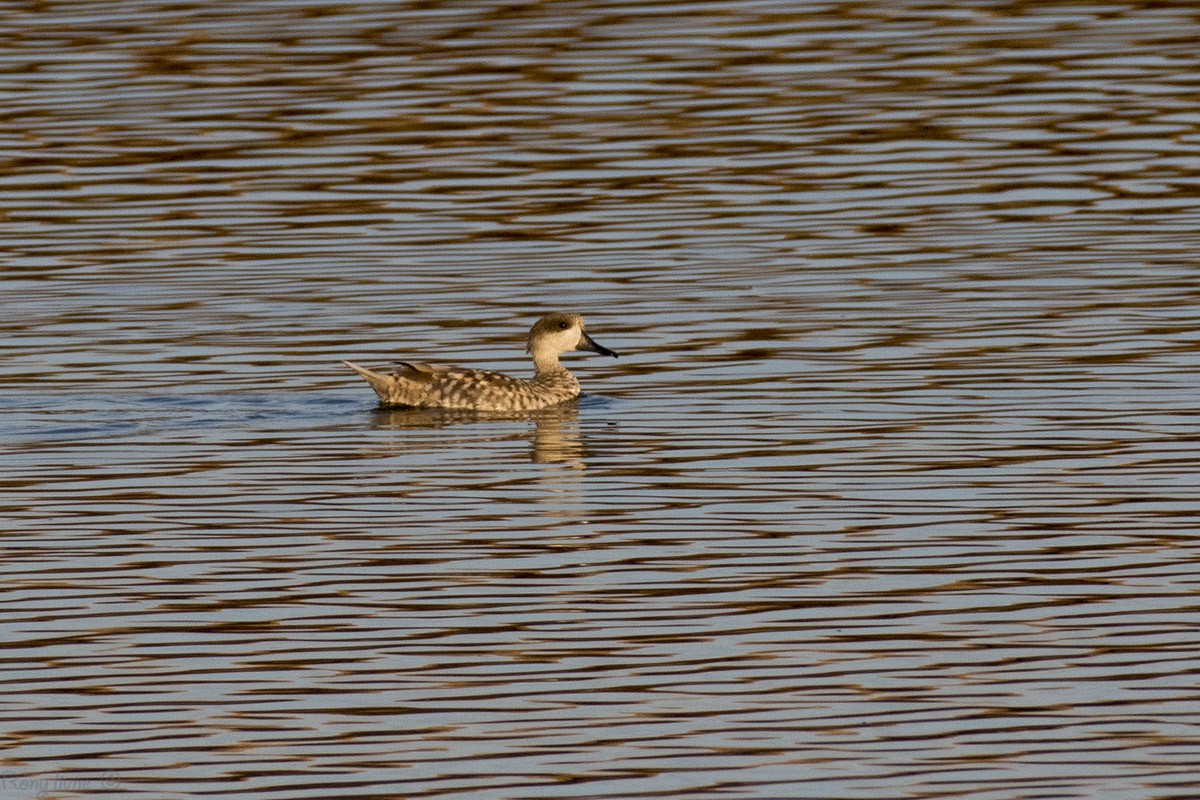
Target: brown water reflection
(893, 492)
(553, 432)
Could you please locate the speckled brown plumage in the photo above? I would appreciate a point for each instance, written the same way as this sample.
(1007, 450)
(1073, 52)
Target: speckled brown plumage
(431, 386)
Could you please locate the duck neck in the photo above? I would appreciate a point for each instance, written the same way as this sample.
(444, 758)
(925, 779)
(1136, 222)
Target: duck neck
(545, 361)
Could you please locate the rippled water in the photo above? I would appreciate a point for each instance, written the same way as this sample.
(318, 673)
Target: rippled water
(893, 492)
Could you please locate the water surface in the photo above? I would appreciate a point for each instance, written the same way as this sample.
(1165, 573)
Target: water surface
(893, 492)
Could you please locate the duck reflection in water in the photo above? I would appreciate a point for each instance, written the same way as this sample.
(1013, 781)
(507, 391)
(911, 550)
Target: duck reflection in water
(555, 438)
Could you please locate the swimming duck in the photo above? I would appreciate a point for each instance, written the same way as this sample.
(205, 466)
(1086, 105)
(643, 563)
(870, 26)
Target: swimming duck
(431, 386)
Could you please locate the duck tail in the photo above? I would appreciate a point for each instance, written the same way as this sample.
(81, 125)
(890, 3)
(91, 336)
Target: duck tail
(380, 383)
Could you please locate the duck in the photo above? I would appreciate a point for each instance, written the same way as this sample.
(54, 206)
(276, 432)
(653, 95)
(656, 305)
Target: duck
(414, 385)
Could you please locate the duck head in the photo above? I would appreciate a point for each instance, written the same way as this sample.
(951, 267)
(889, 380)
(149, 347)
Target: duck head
(555, 334)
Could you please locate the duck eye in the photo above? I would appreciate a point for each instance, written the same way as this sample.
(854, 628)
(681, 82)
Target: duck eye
(562, 326)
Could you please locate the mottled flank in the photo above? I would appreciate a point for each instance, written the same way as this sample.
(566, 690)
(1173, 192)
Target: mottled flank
(430, 386)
